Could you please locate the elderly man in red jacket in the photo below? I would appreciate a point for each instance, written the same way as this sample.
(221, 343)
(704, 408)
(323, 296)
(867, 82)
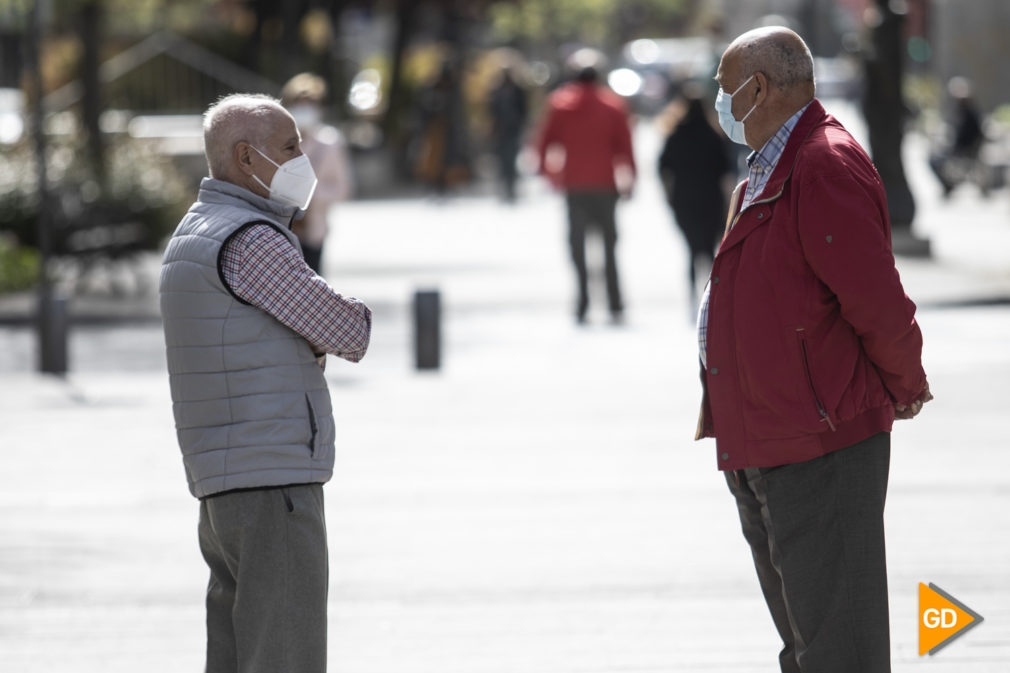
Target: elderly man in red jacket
(810, 350)
(585, 150)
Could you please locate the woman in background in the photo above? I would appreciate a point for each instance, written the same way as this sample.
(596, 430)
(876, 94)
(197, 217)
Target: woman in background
(303, 96)
(693, 167)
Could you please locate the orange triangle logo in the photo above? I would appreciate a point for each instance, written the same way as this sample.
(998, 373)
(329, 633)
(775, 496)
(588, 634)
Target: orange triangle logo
(942, 618)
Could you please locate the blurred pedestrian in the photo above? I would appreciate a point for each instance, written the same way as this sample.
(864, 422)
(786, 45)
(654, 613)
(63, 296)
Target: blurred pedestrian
(247, 326)
(508, 109)
(304, 96)
(810, 350)
(585, 150)
(958, 159)
(441, 152)
(693, 167)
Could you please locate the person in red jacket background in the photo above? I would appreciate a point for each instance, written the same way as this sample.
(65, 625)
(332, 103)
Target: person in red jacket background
(585, 150)
(809, 350)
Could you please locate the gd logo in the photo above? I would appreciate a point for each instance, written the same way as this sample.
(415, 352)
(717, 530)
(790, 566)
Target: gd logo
(942, 618)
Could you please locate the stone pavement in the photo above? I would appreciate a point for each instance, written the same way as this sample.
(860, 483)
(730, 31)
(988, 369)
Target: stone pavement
(535, 506)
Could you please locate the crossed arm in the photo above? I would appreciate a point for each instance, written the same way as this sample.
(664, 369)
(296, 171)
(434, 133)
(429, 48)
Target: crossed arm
(263, 268)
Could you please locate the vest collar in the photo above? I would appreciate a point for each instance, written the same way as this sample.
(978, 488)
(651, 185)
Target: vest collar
(221, 192)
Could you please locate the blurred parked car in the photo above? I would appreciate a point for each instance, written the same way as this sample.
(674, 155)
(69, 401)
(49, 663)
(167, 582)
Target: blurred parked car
(650, 72)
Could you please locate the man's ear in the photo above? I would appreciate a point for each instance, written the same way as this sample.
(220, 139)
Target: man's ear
(242, 154)
(761, 90)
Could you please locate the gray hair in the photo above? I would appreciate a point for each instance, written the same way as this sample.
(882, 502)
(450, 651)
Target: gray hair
(779, 53)
(232, 119)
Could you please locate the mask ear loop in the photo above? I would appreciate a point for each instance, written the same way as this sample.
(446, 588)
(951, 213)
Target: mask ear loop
(731, 95)
(752, 107)
(274, 162)
(256, 177)
(262, 184)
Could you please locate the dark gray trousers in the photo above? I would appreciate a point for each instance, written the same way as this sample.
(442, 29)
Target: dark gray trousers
(266, 600)
(588, 211)
(816, 532)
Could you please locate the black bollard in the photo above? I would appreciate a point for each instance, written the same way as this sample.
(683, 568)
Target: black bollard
(427, 329)
(52, 326)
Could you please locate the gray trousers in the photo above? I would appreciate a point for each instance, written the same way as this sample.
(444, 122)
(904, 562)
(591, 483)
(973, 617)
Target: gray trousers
(266, 600)
(816, 532)
(588, 211)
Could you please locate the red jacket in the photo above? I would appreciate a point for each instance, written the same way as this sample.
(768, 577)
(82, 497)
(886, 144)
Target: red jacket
(811, 339)
(591, 125)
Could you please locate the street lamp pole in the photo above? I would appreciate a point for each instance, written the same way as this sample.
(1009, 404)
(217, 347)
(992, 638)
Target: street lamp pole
(52, 310)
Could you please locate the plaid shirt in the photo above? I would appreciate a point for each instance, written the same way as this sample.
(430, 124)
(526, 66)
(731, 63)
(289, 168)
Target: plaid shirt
(262, 267)
(762, 164)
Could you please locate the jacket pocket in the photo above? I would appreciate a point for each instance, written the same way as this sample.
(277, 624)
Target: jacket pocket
(313, 425)
(825, 416)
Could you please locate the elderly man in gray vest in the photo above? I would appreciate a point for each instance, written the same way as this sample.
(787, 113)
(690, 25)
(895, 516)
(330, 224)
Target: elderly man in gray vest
(247, 328)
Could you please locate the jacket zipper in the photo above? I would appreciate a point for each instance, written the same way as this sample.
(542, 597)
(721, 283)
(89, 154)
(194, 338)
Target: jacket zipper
(739, 213)
(773, 197)
(784, 181)
(312, 425)
(825, 418)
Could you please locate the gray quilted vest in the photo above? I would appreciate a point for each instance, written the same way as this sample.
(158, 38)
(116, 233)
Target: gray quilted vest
(251, 405)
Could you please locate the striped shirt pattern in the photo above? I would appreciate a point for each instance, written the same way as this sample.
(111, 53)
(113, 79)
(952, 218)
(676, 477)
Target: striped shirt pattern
(262, 267)
(762, 164)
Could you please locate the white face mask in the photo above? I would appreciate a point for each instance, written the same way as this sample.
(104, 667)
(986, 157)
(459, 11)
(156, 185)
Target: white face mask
(307, 116)
(724, 106)
(293, 184)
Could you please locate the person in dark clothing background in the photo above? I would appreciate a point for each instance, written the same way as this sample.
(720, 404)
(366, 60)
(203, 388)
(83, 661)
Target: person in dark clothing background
(693, 166)
(508, 108)
(442, 147)
(958, 160)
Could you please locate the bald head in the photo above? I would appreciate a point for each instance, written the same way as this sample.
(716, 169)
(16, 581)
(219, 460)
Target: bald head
(249, 118)
(780, 54)
(770, 74)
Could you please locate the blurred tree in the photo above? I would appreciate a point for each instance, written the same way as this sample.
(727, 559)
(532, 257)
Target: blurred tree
(90, 21)
(406, 16)
(605, 23)
(274, 43)
(885, 110)
(455, 20)
(13, 19)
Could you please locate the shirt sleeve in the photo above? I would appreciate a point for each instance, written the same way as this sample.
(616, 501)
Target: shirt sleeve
(263, 268)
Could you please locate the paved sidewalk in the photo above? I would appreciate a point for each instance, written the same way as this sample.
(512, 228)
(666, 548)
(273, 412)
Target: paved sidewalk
(535, 506)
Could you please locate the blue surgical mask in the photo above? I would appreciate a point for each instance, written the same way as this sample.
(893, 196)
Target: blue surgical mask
(724, 106)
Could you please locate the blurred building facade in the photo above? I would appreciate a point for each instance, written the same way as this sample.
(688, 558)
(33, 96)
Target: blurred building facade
(945, 38)
(827, 26)
(968, 40)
